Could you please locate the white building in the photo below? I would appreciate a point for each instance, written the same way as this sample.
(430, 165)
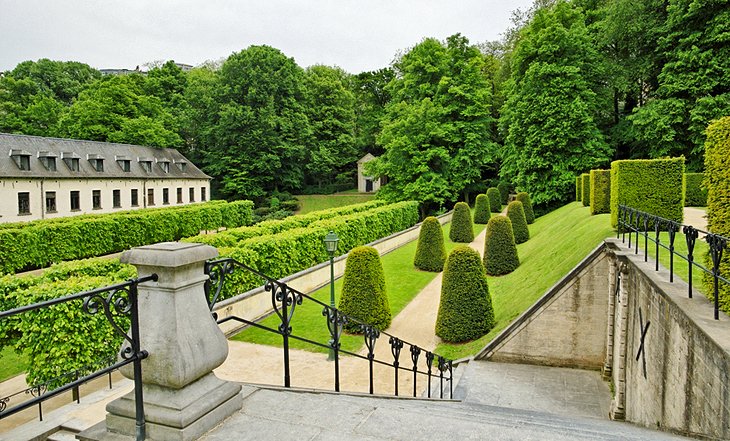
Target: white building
(43, 178)
(367, 184)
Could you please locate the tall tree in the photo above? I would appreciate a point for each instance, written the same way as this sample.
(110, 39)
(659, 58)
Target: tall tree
(372, 95)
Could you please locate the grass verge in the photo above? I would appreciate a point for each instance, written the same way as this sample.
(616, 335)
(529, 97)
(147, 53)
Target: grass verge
(12, 363)
(316, 202)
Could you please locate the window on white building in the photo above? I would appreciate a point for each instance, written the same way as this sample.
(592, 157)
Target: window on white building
(96, 199)
(23, 202)
(116, 198)
(21, 158)
(75, 201)
(51, 202)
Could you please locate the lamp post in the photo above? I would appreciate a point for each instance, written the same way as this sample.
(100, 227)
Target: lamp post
(330, 243)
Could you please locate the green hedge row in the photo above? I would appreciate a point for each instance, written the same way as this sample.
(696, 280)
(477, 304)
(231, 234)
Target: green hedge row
(651, 185)
(717, 183)
(585, 186)
(600, 191)
(44, 243)
(231, 237)
(695, 194)
(578, 188)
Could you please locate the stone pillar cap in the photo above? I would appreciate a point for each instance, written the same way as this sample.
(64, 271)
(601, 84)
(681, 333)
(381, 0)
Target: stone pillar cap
(169, 254)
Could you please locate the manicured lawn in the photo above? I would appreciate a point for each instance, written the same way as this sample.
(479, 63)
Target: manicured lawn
(403, 283)
(12, 364)
(309, 203)
(558, 241)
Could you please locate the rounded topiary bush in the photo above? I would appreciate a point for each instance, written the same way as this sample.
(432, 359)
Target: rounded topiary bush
(462, 229)
(516, 215)
(500, 251)
(495, 199)
(527, 206)
(363, 290)
(430, 252)
(481, 209)
(503, 188)
(465, 310)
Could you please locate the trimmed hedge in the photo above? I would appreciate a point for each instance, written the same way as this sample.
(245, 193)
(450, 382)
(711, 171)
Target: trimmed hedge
(363, 290)
(41, 243)
(651, 185)
(430, 252)
(481, 209)
(526, 206)
(516, 215)
(695, 193)
(717, 183)
(600, 191)
(465, 309)
(462, 229)
(503, 188)
(585, 189)
(578, 188)
(495, 199)
(500, 251)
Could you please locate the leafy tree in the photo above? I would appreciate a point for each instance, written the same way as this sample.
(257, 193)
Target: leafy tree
(372, 96)
(430, 252)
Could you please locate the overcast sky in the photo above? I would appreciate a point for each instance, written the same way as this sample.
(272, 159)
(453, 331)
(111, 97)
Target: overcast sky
(357, 35)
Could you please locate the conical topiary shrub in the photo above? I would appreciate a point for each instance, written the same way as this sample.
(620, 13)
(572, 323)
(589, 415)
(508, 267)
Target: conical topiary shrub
(503, 188)
(481, 209)
(465, 309)
(363, 290)
(430, 252)
(527, 206)
(462, 229)
(516, 215)
(495, 200)
(500, 251)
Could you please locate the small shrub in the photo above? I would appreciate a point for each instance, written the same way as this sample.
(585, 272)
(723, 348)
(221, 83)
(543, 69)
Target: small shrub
(503, 188)
(527, 206)
(465, 309)
(578, 188)
(500, 251)
(430, 252)
(600, 191)
(495, 200)
(585, 189)
(481, 209)
(462, 229)
(516, 215)
(695, 194)
(363, 289)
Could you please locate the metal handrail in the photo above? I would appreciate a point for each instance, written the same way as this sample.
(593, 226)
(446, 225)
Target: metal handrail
(284, 301)
(637, 222)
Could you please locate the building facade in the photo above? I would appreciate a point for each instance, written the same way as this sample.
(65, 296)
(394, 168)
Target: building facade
(42, 178)
(367, 184)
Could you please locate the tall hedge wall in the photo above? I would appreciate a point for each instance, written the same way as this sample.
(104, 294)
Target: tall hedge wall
(585, 189)
(41, 243)
(651, 185)
(578, 188)
(600, 191)
(717, 182)
(695, 193)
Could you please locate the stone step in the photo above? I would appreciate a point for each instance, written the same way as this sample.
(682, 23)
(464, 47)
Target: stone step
(63, 434)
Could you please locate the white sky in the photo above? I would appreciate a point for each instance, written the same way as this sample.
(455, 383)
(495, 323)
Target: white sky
(357, 35)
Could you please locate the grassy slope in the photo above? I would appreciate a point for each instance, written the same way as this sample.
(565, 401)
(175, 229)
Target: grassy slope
(309, 203)
(12, 363)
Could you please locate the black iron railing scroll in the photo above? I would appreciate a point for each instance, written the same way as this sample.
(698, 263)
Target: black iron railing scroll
(635, 223)
(285, 299)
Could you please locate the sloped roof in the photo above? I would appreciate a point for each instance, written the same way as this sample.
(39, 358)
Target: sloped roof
(110, 152)
(367, 158)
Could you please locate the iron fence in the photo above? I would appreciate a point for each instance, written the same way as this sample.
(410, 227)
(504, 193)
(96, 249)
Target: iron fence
(639, 223)
(115, 302)
(284, 301)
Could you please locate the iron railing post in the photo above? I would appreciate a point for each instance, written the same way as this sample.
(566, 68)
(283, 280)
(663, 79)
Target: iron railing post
(429, 363)
(395, 347)
(690, 236)
(717, 245)
(140, 424)
(415, 352)
(673, 228)
(657, 224)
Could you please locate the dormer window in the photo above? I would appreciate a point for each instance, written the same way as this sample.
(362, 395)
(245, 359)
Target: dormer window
(21, 158)
(124, 163)
(48, 160)
(182, 165)
(164, 165)
(71, 160)
(97, 162)
(146, 164)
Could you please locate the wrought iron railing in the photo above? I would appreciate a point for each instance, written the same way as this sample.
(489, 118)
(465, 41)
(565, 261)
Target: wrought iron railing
(636, 223)
(115, 302)
(284, 301)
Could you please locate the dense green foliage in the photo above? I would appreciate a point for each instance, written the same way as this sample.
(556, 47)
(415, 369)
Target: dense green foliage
(39, 243)
(579, 188)
(585, 187)
(503, 188)
(600, 191)
(500, 250)
(516, 215)
(495, 200)
(481, 209)
(363, 290)
(462, 228)
(430, 253)
(654, 186)
(695, 193)
(527, 206)
(717, 182)
(465, 309)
